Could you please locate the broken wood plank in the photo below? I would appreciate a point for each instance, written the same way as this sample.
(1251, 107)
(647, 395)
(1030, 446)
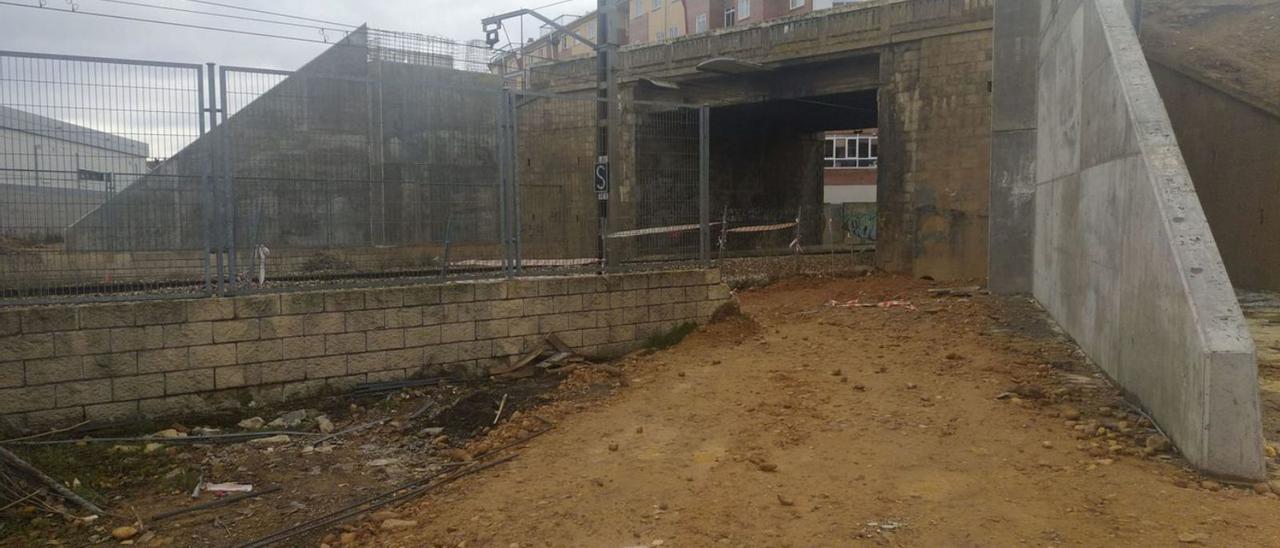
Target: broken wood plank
(554, 360)
(559, 343)
(521, 363)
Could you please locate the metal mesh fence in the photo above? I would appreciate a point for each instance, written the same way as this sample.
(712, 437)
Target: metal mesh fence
(390, 157)
(91, 200)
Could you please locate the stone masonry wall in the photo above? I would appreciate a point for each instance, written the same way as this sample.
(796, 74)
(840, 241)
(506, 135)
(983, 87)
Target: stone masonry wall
(110, 362)
(935, 148)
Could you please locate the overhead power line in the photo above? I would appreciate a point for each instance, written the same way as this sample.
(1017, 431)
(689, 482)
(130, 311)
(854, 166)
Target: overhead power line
(170, 23)
(224, 15)
(275, 13)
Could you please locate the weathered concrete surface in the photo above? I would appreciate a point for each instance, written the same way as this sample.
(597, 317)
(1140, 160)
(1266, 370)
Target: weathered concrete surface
(1230, 150)
(1013, 144)
(1124, 259)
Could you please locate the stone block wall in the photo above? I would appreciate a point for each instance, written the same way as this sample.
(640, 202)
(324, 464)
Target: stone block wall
(110, 362)
(935, 155)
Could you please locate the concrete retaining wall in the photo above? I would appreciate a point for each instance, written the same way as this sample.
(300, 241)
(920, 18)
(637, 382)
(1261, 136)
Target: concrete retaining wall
(62, 364)
(1123, 257)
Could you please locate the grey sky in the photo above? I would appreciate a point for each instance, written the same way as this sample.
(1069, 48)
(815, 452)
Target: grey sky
(26, 29)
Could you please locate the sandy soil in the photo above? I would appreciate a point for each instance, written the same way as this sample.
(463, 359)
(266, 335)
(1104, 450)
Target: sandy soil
(953, 424)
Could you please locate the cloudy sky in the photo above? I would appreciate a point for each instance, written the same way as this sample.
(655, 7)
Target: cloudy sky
(47, 30)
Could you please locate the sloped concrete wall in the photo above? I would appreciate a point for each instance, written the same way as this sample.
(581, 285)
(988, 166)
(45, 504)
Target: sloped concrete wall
(1123, 257)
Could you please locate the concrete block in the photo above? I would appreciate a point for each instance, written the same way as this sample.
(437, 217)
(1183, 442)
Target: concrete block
(188, 334)
(303, 347)
(595, 301)
(404, 317)
(282, 371)
(365, 320)
(88, 341)
(511, 346)
(215, 355)
(140, 387)
(422, 336)
(696, 293)
(522, 326)
(50, 318)
(506, 309)
(384, 339)
(622, 333)
(441, 354)
(52, 418)
(257, 306)
(233, 376)
(342, 301)
(54, 370)
(325, 324)
(106, 315)
(594, 337)
(421, 296)
(475, 350)
(12, 374)
(718, 292)
(70, 394)
(552, 286)
(457, 332)
(582, 320)
(345, 343)
(27, 346)
(10, 323)
(457, 293)
(159, 312)
(490, 291)
(392, 297)
(235, 330)
(387, 376)
(539, 306)
(214, 309)
(345, 383)
(491, 329)
(521, 289)
(553, 324)
(128, 339)
(325, 367)
(279, 327)
(566, 303)
(711, 276)
(169, 359)
(301, 303)
(110, 365)
(110, 413)
(29, 398)
(260, 351)
(434, 315)
(174, 405)
(580, 285)
(188, 382)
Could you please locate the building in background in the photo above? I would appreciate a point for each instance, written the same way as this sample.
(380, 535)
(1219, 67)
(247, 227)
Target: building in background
(850, 166)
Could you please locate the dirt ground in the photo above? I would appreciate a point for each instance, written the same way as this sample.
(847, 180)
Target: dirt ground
(1233, 43)
(955, 421)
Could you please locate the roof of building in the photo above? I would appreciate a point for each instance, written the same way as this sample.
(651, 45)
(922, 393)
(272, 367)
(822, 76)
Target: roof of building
(35, 124)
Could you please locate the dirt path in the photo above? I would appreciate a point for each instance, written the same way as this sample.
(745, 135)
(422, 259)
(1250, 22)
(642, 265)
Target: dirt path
(884, 427)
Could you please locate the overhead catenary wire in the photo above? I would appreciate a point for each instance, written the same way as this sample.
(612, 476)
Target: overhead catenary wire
(223, 15)
(275, 13)
(162, 22)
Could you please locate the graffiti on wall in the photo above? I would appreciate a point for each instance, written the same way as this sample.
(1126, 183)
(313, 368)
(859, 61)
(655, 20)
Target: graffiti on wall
(861, 225)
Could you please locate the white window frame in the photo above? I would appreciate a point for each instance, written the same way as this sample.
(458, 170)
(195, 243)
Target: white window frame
(744, 9)
(662, 35)
(797, 4)
(730, 15)
(673, 32)
(700, 23)
(657, 4)
(852, 152)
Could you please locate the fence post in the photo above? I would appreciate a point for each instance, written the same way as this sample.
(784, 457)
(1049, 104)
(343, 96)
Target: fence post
(516, 219)
(206, 200)
(704, 184)
(214, 186)
(228, 182)
(504, 180)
